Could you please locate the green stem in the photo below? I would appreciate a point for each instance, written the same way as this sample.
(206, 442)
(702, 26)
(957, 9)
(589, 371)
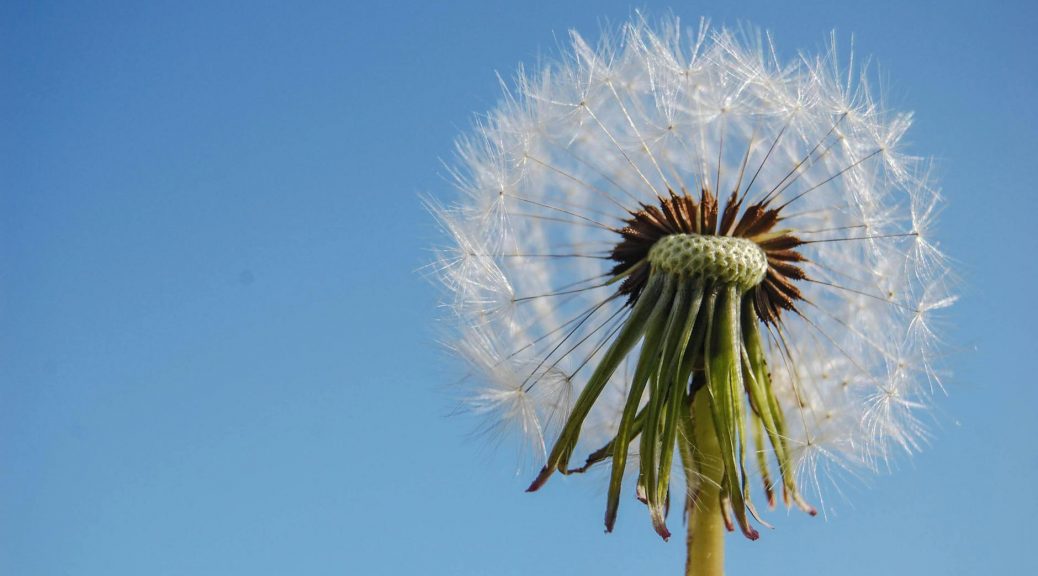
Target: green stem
(706, 529)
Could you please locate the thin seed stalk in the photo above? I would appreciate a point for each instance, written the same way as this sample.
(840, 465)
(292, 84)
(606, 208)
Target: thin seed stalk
(706, 531)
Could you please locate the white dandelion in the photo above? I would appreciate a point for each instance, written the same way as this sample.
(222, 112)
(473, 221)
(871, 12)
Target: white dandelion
(675, 250)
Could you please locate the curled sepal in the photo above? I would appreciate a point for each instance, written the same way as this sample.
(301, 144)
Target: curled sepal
(766, 407)
(724, 387)
(625, 340)
(648, 363)
(606, 452)
(762, 454)
(654, 446)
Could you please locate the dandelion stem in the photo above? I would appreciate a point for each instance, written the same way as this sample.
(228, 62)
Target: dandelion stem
(706, 529)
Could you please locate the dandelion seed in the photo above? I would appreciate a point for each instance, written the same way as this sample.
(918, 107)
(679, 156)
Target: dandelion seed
(681, 254)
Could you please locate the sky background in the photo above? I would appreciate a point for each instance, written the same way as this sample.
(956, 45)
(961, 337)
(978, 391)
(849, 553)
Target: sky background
(217, 355)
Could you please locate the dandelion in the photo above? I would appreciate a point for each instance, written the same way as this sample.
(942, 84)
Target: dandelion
(699, 266)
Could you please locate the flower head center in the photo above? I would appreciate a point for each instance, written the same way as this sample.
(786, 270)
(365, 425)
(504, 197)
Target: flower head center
(722, 244)
(724, 259)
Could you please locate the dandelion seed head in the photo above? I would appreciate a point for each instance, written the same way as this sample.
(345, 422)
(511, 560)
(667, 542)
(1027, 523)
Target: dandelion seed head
(706, 155)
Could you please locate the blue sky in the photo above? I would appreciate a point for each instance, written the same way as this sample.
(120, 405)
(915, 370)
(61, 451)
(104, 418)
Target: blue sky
(217, 357)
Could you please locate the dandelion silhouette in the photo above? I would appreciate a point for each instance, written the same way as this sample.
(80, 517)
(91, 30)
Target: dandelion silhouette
(678, 252)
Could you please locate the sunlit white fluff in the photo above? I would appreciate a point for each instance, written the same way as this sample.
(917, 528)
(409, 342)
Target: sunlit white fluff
(547, 176)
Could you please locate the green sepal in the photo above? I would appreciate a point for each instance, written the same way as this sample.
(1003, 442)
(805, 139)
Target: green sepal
(606, 452)
(653, 445)
(725, 388)
(766, 405)
(677, 401)
(629, 335)
(646, 366)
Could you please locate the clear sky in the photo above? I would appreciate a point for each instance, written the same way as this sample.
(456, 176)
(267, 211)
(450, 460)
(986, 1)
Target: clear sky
(217, 355)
